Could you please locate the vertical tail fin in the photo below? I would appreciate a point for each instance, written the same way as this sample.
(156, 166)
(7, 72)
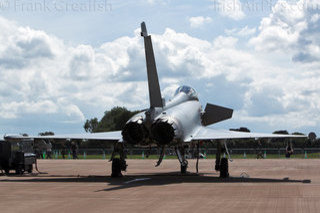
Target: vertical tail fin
(153, 81)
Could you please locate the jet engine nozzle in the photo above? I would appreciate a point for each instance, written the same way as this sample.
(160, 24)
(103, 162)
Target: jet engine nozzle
(164, 130)
(134, 132)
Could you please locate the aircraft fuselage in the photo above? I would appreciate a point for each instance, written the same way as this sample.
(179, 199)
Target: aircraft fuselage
(176, 122)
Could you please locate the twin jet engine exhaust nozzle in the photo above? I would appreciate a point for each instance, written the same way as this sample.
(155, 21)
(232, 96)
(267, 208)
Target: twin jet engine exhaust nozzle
(163, 131)
(135, 132)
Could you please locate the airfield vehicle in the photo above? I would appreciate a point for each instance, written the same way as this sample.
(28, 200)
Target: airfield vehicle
(16, 153)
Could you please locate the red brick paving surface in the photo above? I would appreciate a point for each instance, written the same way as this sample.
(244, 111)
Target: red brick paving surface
(82, 186)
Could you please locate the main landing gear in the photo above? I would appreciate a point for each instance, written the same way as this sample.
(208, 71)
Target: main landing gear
(180, 152)
(221, 163)
(118, 164)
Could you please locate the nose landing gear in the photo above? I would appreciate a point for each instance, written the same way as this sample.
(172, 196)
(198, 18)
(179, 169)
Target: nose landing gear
(180, 151)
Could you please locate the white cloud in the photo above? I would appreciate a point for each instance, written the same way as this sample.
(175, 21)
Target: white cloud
(157, 2)
(42, 76)
(292, 29)
(199, 21)
(229, 8)
(14, 109)
(243, 32)
(315, 18)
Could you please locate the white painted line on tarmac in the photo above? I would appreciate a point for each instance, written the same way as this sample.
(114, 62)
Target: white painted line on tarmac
(136, 180)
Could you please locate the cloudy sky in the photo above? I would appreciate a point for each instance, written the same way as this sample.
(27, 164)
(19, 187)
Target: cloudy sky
(64, 61)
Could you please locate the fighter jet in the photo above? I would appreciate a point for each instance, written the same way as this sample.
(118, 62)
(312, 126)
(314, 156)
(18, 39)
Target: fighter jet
(177, 123)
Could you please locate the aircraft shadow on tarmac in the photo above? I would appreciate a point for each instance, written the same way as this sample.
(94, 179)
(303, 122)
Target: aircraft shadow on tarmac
(137, 180)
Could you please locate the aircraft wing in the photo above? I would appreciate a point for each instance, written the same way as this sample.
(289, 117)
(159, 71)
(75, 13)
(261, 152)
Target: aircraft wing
(104, 136)
(206, 133)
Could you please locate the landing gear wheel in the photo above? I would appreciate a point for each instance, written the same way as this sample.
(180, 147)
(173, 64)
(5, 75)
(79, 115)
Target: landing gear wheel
(224, 168)
(184, 169)
(116, 168)
(124, 165)
(118, 165)
(217, 166)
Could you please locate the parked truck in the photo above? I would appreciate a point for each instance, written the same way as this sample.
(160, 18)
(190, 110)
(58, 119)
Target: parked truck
(16, 153)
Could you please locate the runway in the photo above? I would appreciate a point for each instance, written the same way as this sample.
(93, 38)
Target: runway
(265, 185)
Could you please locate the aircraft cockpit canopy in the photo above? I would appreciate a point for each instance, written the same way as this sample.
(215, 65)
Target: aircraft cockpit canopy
(189, 91)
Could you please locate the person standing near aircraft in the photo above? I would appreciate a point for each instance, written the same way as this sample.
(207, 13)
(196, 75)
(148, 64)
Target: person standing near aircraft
(74, 150)
(259, 154)
(63, 152)
(48, 150)
(289, 150)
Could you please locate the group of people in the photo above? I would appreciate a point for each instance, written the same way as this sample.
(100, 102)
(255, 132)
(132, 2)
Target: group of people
(74, 151)
(289, 151)
(44, 150)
